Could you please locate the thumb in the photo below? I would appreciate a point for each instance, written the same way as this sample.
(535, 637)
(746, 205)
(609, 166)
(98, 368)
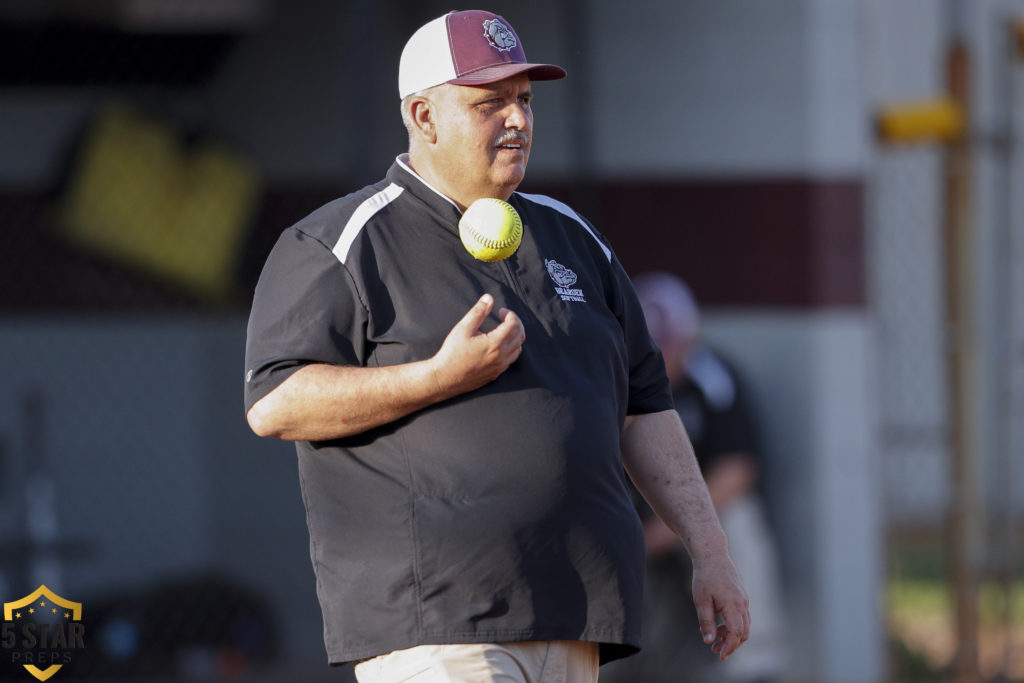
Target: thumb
(708, 623)
(476, 315)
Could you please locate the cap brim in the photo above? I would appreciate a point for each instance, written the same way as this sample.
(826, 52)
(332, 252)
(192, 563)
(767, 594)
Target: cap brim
(498, 72)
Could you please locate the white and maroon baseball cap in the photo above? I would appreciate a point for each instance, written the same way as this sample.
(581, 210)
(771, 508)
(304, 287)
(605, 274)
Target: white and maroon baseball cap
(472, 47)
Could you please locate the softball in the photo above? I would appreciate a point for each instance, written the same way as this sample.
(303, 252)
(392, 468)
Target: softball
(491, 229)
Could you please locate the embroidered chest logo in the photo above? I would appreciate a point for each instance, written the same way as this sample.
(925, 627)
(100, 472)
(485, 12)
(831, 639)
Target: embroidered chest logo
(499, 36)
(564, 280)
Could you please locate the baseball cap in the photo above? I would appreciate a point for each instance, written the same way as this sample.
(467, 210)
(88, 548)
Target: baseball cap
(472, 47)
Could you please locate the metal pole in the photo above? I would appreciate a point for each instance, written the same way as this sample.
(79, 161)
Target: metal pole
(963, 521)
(1008, 148)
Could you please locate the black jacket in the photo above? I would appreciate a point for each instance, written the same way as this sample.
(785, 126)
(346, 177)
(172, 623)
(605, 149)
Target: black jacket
(501, 514)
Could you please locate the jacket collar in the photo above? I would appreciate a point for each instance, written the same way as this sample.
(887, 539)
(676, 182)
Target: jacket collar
(402, 174)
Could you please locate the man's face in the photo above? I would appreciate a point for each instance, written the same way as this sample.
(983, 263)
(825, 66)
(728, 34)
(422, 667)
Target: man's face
(484, 135)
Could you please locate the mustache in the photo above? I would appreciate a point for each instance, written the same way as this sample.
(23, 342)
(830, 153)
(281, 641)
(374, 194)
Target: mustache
(512, 136)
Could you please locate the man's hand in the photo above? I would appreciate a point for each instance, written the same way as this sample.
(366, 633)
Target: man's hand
(660, 461)
(468, 358)
(718, 590)
(321, 401)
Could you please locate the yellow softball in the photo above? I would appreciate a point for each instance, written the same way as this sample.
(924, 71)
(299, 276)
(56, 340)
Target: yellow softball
(491, 229)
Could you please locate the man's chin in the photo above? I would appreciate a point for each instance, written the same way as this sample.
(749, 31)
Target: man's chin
(511, 176)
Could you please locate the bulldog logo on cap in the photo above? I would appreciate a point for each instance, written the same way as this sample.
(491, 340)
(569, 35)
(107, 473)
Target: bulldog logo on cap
(499, 36)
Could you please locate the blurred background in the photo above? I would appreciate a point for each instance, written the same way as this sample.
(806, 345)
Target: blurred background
(840, 181)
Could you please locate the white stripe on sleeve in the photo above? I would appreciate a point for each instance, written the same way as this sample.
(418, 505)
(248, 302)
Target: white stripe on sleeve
(566, 210)
(361, 216)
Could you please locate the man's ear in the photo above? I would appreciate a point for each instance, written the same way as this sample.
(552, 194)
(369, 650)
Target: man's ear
(423, 114)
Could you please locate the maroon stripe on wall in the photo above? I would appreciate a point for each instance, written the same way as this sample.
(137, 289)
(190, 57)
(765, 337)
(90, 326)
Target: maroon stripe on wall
(753, 243)
(740, 243)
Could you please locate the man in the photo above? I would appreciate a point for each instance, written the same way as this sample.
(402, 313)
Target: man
(462, 426)
(709, 399)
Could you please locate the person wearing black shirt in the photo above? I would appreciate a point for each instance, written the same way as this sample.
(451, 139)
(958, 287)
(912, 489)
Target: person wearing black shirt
(462, 426)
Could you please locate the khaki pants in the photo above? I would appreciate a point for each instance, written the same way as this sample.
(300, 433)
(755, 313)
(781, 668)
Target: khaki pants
(560, 661)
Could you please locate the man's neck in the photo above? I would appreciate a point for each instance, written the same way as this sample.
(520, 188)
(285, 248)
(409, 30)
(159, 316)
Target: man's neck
(403, 159)
(437, 181)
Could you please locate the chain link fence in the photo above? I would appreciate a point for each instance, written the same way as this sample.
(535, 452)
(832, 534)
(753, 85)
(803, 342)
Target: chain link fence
(907, 280)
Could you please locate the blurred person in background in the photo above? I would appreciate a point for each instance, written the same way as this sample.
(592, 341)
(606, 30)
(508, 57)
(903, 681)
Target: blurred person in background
(709, 398)
(462, 426)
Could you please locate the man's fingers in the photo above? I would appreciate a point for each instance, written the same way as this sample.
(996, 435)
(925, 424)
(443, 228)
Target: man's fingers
(721, 633)
(729, 645)
(721, 594)
(511, 330)
(476, 315)
(706, 619)
(508, 319)
(734, 632)
(744, 623)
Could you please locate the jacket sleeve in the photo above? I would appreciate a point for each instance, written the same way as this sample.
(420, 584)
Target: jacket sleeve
(649, 388)
(305, 310)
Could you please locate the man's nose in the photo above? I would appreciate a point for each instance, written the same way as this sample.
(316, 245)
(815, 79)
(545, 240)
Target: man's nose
(516, 116)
